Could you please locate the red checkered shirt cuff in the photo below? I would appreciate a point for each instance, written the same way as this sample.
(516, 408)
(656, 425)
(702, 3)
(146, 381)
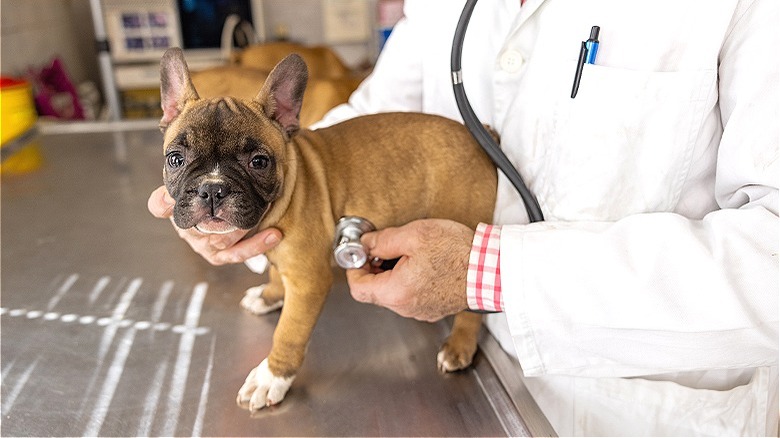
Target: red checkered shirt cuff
(483, 281)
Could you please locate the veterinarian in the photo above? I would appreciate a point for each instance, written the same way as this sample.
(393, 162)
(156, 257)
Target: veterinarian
(647, 302)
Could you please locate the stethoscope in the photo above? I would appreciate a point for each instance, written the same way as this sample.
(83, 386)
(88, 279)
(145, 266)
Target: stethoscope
(475, 126)
(349, 253)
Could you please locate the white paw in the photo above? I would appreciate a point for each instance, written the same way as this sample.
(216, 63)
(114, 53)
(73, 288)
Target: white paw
(262, 388)
(447, 364)
(442, 362)
(253, 301)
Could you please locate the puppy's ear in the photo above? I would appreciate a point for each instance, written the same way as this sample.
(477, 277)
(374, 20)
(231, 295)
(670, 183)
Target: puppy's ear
(282, 94)
(176, 88)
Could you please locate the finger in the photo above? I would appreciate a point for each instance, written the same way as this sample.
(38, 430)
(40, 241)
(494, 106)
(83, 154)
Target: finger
(365, 286)
(209, 245)
(248, 248)
(160, 203)
(390, 243)
(354, 276)
(219, 242)
(378, 289)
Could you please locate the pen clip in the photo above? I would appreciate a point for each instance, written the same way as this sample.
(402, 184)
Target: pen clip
(578, 73)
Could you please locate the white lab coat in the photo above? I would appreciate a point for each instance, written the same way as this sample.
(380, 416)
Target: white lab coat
(647, 303)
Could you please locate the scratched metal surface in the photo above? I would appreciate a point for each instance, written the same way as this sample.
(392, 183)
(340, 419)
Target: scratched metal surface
(111, 326)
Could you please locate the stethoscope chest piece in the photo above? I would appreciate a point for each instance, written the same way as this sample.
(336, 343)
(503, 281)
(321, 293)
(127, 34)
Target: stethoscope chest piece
(348, 252)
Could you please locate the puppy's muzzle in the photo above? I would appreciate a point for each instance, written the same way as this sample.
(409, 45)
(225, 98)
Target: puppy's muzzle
(212, 194)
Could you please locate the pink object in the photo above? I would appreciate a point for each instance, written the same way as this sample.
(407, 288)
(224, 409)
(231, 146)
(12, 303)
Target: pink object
(55, 94)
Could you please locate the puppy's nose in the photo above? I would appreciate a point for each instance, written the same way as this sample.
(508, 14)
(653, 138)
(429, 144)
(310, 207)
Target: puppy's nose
(212, 193)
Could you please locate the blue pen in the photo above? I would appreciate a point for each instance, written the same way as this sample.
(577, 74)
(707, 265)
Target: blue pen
(588, 52)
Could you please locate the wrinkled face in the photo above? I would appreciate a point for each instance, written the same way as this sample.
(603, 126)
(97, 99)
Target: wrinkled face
(222, 165)
(224, 157)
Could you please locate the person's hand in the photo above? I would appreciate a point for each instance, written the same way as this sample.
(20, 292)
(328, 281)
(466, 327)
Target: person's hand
(217, 249)
(429, 281)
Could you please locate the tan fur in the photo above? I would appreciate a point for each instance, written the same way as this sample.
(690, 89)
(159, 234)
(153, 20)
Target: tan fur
(321, 61)
(389, 168)
(330, 81)
(322, 94)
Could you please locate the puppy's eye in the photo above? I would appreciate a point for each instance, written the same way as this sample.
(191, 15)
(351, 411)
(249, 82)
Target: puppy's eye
(175, 160)
(259, 162)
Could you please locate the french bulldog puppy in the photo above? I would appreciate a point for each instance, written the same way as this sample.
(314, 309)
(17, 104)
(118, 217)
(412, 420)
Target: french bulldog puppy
(245, 164)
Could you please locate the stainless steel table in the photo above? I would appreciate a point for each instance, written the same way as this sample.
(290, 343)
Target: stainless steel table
(112, 326)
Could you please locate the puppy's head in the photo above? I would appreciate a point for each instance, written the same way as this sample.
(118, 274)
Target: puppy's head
(224, 157)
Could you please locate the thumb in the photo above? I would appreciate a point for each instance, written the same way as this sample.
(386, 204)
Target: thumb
(390, 243)
(160, 203)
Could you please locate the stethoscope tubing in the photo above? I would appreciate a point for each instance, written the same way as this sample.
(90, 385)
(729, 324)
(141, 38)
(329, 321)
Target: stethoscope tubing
(478, 131)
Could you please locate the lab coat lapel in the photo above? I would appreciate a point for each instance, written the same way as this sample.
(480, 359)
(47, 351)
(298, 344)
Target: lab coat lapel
(527, 10)
(521, 14)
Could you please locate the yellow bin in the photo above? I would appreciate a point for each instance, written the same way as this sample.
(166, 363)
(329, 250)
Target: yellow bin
(17, 118)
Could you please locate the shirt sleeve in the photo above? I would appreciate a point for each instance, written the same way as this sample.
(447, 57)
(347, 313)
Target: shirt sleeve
(483, 280)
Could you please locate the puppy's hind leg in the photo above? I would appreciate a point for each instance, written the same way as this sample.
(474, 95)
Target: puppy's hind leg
(265, 298)
(459, 348)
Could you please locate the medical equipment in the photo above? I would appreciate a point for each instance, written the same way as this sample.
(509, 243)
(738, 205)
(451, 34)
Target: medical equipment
(472, 122)
(349, 252)
(347, 249)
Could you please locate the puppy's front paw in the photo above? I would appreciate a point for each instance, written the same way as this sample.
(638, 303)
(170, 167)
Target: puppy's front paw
(262, 388)
(254, 302)
(454, 356)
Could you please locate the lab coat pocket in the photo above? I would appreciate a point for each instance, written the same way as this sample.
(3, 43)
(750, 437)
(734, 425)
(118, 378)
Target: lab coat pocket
(641, 407)
(624, 144)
